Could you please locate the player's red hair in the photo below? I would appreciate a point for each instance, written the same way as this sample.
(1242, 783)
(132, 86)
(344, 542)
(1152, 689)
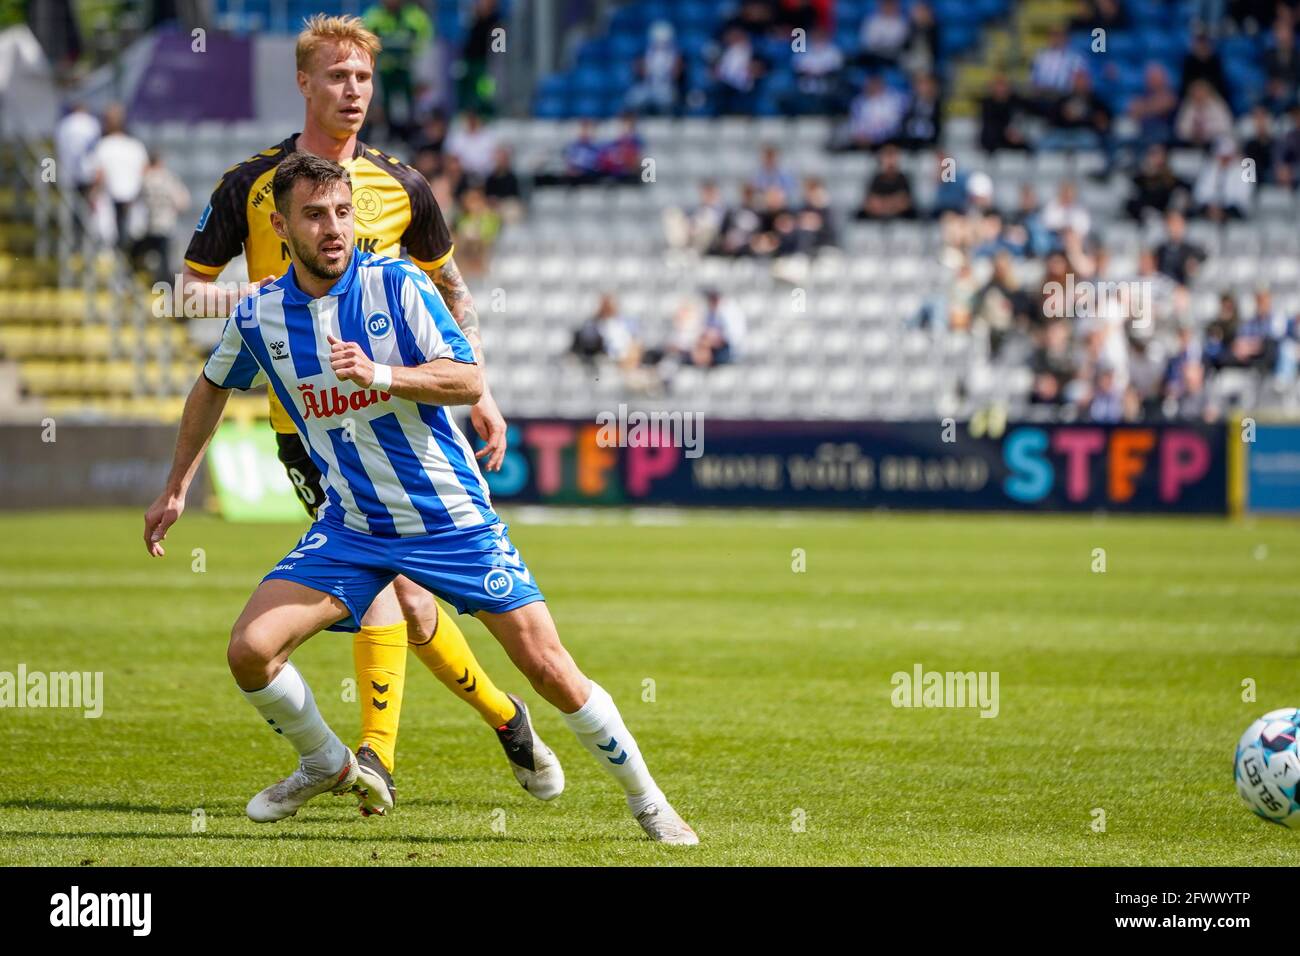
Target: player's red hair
(347, 32)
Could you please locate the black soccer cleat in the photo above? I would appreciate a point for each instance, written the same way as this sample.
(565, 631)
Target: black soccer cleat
(533, 763)
(375, 790)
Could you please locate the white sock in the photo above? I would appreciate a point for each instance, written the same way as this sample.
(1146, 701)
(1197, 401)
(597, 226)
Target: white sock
(600, 728)
(289, 708)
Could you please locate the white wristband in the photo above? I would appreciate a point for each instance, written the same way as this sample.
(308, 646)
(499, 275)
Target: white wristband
(383, 377)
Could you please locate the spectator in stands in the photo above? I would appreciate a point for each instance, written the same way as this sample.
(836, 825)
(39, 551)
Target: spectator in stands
(580, 160)
(815, 220)
(608, 334)
(119, 161)
(501, 187)
(817, 72)
(1166, 299)
(1155, 187)
(1203, 64)
(1002, 306)
(1286, 154)
(883, 35)
(1280, 64)
(474, 145)
(1052, 364)
(740, 225)
(1066, 213)
(164, 197)
(875, 117)
(737, 72)
(1259, 148)
(1176, 257)
(476, 91)
(476, 227)
(1153, 110)
(921, 55)
(1265, 332)
(771, 173)
(620, 158)
(722, 332)
(924, 120)
(1204, 118)
(999, 115)
(659, 74)
(1080, 119)
(889, 192)
(74, 144)
(431, 137)
(1106, 402)
(678, 348)
(949, 185)
(776, 231)
(1221, 334)
(1186, 398)
(1052, 74)
(1024, 233)
(1222, 190)
(405, 30)
(697, 228)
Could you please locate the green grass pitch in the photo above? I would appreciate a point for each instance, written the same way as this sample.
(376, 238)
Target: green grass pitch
(1120, 691)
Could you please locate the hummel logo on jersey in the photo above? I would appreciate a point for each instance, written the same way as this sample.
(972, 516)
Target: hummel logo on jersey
(331, 403)
(278, 350)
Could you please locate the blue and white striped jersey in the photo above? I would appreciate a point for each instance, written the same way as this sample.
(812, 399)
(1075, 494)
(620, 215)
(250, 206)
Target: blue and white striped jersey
(392, 467)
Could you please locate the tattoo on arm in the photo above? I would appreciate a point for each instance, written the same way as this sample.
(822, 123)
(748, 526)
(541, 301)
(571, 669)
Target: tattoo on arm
(455, 292)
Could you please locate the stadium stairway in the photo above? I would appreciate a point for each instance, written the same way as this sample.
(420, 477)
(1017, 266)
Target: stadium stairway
(78, 338)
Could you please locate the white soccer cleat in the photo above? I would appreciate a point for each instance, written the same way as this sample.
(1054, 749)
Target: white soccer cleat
(375, 790)
(285, 798)
(533, 763)
(663, 824)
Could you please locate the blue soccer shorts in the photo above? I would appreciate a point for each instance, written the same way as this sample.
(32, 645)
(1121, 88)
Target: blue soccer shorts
(473, 569)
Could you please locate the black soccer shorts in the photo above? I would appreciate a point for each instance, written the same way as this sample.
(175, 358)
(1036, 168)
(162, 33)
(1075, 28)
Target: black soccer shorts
(302, 471)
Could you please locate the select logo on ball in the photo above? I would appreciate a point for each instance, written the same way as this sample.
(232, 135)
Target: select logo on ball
(379, 324)
(498, 583)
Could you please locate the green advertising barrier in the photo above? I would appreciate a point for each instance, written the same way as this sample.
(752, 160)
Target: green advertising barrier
(247, 477)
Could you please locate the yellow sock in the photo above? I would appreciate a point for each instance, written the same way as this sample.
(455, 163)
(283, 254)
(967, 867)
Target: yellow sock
(448, 656)
(379, 654)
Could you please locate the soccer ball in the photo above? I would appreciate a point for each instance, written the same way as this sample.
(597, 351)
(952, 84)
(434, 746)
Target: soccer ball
(1267, 767)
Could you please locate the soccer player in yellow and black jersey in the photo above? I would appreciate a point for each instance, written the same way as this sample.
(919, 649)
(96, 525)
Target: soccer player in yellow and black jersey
(394, 210)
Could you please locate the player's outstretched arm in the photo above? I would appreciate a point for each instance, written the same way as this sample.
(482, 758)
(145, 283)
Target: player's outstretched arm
(486, 417)
(198, 422)
(443, 381)
(204, 297)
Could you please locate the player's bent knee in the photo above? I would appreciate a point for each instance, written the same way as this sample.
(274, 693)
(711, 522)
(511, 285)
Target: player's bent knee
(248, 656)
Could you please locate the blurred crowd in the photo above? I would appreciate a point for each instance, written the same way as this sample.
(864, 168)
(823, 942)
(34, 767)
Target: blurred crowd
(131, 199)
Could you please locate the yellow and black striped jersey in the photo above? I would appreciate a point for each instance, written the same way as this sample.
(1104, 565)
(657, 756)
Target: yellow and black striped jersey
(393, 210)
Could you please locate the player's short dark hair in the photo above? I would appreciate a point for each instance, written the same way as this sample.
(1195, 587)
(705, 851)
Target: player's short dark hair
(318, 171)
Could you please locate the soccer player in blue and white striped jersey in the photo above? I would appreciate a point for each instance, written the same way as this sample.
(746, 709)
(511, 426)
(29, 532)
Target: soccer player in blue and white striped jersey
(366, 359)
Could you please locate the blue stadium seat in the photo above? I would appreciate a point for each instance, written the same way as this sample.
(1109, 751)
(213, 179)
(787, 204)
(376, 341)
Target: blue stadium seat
(596, 52)
(589, 80)
(626, 47)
